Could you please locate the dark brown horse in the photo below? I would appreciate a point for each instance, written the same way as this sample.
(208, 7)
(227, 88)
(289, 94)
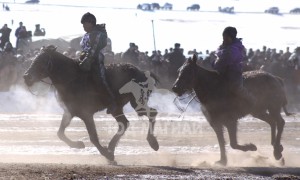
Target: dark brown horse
(223, 110)
(80, 98)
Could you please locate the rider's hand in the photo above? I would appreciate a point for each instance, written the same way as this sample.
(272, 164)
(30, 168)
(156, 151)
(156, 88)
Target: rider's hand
(86, 64)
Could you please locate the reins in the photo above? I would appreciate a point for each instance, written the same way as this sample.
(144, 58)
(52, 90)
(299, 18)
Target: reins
(193, 94)
(48, 71)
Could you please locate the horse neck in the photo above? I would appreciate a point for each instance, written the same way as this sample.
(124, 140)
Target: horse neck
(206, 83)
(63, 69)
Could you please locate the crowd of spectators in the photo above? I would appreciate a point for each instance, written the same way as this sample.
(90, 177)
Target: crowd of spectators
(283, 63)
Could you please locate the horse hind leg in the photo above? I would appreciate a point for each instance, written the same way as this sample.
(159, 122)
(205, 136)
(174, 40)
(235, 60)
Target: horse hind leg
(151, 113)
(264, 116)
(66, 119)
(150, 137)
(232, 131)
(123, 124)
(280, 122)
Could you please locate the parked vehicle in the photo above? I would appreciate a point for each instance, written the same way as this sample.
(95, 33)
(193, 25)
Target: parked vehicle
(167, 6)
(155, 6)
(226, 9)
(148, 7)
(194, 7)
(295, 11)
(272, 10)
(145, 7)
(32, 1)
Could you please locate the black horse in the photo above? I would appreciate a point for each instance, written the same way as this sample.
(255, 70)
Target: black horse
(223, 110)
(80, 98)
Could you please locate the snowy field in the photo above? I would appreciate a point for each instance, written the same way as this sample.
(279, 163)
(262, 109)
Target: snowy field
(194, 30)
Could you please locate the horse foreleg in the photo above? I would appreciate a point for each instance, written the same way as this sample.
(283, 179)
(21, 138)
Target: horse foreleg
(91, 128)
(218, 128)
(150, 137)
(232, 131)
(123, 125)
(66, 120)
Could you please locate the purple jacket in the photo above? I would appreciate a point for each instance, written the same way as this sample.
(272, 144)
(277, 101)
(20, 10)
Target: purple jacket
(230, 58)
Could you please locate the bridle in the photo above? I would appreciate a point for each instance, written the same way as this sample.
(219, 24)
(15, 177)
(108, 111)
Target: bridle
(48, 69)
(191, 94)
(47, 73)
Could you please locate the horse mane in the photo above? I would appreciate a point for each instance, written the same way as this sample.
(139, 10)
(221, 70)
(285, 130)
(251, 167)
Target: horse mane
(208, 72)
(60, 56)
(131, 69)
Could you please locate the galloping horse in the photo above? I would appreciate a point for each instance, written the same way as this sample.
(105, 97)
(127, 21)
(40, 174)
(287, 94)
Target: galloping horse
(80, 98)
(224, 110)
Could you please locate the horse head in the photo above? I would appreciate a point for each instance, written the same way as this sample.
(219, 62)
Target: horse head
(185, 79)
(40, 66)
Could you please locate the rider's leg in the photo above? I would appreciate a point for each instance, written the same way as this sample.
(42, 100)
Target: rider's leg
(243, 93)
(112, 107)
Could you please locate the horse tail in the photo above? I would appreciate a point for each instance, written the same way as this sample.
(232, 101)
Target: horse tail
(284, 98)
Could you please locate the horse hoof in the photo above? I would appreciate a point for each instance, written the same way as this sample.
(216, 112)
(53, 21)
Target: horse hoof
(278, 151)
(153, 142)
(279, 148)
(113, 163)
(252, 147)
(78, 145)
(277, 154)
(110, 156)
(221, 163)
(282, 162)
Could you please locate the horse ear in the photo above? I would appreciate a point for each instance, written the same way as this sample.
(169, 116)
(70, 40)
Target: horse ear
(195, 58)
(52, 48)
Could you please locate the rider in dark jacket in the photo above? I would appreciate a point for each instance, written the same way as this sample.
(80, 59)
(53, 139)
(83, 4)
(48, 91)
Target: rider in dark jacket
(92, 43)
(229, 64)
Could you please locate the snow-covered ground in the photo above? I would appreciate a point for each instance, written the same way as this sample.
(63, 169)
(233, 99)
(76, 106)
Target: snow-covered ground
(194, 30)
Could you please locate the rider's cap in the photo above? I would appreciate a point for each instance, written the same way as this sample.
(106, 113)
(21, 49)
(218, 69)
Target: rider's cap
(88, 17)
(230, 31)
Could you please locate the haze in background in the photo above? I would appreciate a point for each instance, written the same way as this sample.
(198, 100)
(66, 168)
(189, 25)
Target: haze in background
(194, 30)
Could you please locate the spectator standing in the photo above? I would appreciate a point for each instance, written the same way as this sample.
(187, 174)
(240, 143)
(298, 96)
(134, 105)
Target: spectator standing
(131, 55)
(5, 31)
(17, 33)
(23, 40)
(176, 60)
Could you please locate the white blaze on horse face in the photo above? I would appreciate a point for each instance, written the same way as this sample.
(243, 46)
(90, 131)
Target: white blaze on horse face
(141, 91)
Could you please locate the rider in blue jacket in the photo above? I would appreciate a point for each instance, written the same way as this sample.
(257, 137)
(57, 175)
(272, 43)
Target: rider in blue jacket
(92, 58)
(229, 64)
